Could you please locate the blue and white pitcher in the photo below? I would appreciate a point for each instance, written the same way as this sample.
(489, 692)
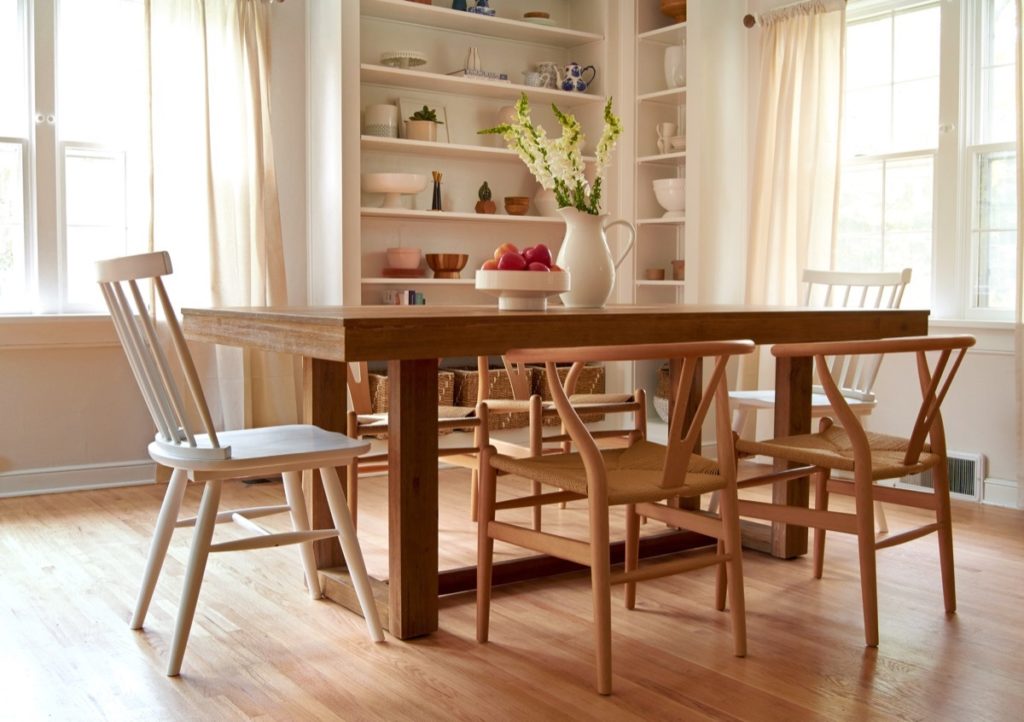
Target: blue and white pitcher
(574, 80)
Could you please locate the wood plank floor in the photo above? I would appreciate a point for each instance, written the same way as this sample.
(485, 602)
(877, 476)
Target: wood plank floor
(261, 649)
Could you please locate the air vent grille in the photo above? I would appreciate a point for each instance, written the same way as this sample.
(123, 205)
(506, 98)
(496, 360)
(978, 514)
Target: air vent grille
(966, 475)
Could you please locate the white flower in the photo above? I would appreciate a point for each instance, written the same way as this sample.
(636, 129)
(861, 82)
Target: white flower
(557, 164)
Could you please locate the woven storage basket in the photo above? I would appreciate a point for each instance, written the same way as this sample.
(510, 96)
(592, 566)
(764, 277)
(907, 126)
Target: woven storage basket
(379, 390)
(591, 381)
(467, 382)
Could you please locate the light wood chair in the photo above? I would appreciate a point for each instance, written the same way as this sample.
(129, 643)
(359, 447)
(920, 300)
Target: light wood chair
(836, 289)
(211, 457)
(870, 457)
(557, 440)
(640, 476)
(363, 423)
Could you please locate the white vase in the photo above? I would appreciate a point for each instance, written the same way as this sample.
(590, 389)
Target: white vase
(675, 66)
(584, 254)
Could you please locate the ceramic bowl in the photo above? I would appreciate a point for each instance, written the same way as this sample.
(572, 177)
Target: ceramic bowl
(393, 185)
(671, 195)
(517, 205)
(446, 265)
(676, 142)
(522, 290)
(407, 258)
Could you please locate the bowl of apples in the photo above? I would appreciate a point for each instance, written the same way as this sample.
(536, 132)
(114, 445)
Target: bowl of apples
(522, 280)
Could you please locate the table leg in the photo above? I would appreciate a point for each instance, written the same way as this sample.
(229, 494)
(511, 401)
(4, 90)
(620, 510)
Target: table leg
(324, 403)
(412, 497)
(792, 416)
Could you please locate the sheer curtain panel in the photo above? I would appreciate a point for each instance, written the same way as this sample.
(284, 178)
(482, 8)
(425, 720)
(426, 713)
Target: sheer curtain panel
(213, 187)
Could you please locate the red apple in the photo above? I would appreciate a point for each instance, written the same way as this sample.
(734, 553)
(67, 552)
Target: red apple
(511, 261)
(537, 266)
(503, 249)
(538, 254)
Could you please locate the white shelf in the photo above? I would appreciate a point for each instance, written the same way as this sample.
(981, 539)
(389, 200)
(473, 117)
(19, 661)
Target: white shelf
(672, 96)
(420, 281)
(417, 80)
(675, 284)
(445, 18)
(661, 221)
(663, 158)
(447, 216)
(440, 149)
(668, 35)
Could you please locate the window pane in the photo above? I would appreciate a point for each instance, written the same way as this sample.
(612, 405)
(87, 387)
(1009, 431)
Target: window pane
(12, 228)
(867, 123)
(994, 232)
(14, 112)
(869, 53)
(95, 214)
(886, 219)
(915, 106)
(916, 45)
(101, 71)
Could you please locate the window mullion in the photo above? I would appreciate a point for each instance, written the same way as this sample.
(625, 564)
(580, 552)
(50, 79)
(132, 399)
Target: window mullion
(47, 224)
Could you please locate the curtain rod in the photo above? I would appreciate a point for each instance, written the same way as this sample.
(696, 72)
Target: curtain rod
(750, 21)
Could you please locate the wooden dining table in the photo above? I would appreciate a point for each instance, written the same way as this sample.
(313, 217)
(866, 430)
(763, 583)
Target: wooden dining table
(412, 339)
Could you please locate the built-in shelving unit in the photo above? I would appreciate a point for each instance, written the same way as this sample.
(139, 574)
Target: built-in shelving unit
(451, 216)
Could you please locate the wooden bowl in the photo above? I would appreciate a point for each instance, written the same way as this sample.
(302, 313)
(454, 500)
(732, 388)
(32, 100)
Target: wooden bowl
(446, 265)
(517, 205)
(675, 9)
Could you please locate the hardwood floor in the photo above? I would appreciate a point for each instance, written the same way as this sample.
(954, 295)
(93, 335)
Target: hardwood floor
(70, 566)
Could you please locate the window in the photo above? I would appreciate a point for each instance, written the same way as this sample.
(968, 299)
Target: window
(72, 134)
(929, 163)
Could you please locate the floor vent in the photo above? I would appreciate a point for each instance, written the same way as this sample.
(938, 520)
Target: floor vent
(966, 475)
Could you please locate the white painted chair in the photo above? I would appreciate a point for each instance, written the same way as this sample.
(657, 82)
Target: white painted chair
(211, 458)
(855, 376)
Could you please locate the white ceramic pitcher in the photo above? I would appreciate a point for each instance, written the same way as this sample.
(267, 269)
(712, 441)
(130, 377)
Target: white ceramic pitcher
(585, 255)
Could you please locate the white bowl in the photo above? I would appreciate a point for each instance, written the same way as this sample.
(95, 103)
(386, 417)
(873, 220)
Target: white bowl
(522, 290)
(408, 258)
(393, 185)
(676, 142)
(671, 195)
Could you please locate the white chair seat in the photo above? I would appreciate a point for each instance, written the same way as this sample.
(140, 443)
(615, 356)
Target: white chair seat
(765, 399)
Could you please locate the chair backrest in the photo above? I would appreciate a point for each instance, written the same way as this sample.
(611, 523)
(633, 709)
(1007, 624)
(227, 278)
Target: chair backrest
(934, 380)
(690, 400)
(156, 373)
(856, 375)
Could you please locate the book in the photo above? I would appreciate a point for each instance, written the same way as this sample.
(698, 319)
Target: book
(481, 75)
(403, 297)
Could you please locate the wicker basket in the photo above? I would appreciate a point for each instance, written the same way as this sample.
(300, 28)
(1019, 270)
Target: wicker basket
(467, 383)
(379, 390)
(591, 381)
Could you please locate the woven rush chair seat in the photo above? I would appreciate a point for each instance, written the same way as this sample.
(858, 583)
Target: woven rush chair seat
(642, 476)
(634, 473)
(833, 449)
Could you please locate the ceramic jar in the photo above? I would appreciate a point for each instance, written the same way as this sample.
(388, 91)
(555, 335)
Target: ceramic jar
(675, 65)
(574, 79)
(381, 121)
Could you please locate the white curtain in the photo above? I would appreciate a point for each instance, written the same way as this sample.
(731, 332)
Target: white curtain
(795, 181)
(213, 187)
(1020, 258)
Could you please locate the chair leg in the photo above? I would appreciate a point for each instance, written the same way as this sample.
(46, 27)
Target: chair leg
(944, 517)
(158, 546)
(535, 489)
(734, 549)
(881, 524)
(632, 556)
(866, 552)
(740, 419)
(352, 490)
(300, 522)
(484, 546)
(198, 554)
(474, 493)
(820, 504)
(600, 582)
(351, 551)
(721, 578)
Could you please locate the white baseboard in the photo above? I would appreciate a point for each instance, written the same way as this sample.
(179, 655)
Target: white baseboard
(52, 480)
(999, 492)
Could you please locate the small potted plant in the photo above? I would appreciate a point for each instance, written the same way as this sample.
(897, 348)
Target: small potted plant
(422, 125)
(485, 204)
